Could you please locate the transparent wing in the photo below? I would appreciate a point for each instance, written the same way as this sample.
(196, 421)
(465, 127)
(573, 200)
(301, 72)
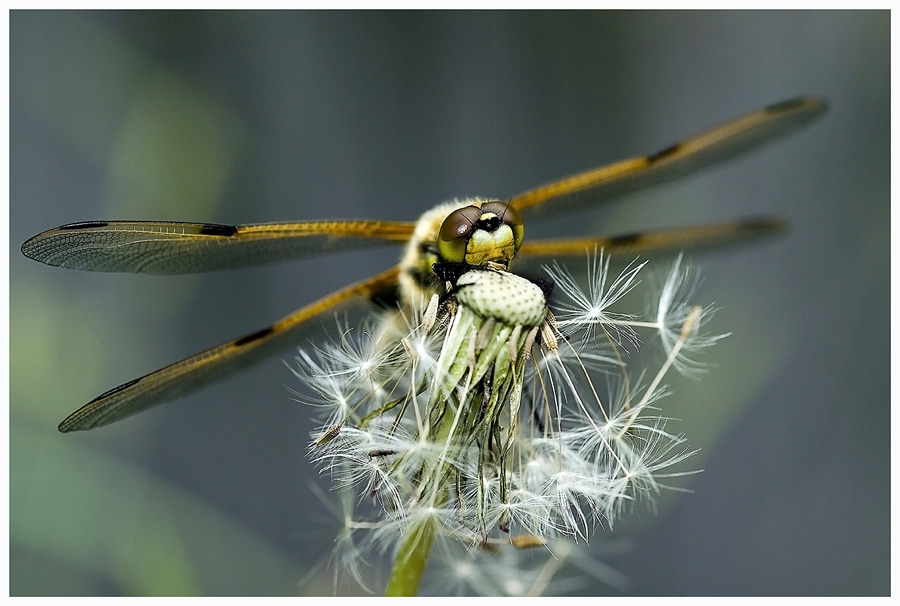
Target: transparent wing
(207, 366)
(165, 247)
(173, 248)
(704, 149)
(694, 237)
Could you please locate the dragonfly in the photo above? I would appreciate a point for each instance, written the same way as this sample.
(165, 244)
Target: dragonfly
(442, 234)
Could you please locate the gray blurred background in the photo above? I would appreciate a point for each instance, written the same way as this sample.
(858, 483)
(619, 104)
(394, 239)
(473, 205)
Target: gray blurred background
(250, 117)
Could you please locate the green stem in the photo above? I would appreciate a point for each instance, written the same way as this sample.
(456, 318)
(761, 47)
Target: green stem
(416, 547)
(411, 561)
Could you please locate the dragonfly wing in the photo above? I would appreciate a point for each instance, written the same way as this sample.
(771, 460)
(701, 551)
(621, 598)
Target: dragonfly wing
(215, 363)
(699, 236)
(704, 149)
(162, 247)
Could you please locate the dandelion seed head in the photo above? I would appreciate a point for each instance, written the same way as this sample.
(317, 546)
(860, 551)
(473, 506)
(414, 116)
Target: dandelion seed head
(480, 428)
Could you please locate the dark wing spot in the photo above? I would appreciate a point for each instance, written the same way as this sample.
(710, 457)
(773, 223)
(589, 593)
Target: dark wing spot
(786, 105)
(253, 337)
(663, 153)
(626, 239)
(84, 225)
(115, 390)
(217, 229)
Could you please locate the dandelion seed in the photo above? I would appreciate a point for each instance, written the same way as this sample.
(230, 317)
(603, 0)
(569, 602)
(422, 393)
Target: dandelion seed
(674, 309)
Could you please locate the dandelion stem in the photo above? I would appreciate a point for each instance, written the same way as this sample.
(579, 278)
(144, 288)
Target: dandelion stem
(411, 560)
(412, 557)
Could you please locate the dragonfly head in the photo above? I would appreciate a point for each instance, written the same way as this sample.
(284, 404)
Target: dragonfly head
(479, 235)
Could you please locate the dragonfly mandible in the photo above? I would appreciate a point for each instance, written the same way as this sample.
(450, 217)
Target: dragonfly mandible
(164, 247)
